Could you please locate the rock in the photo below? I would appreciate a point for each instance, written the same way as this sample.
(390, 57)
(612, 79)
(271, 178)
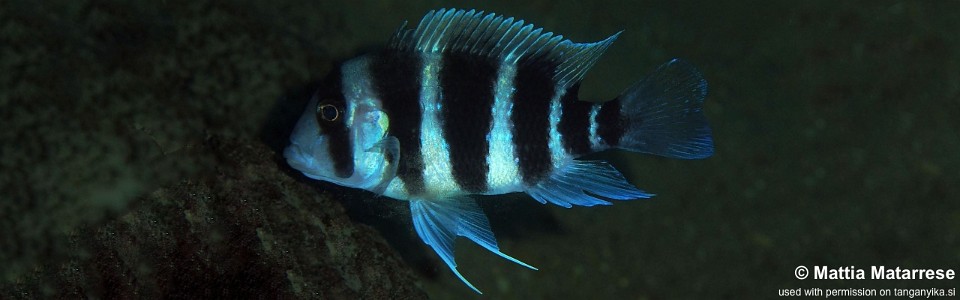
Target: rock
(97, 97)
(249, 229)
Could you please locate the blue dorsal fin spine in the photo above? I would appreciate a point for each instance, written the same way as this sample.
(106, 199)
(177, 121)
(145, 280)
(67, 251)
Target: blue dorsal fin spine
(502, 38)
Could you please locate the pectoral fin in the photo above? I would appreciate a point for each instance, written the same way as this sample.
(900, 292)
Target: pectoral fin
(390, 147)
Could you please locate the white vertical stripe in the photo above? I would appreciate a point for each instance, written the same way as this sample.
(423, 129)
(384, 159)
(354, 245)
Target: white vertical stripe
(558, 155)
(504, 177)
(594, 138)
(368, 124)
(437, 177)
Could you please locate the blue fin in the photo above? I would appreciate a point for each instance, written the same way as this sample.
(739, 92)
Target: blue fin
(663, 113)
(585, 183)
(390, 146)
(501, 38)
(439, 222)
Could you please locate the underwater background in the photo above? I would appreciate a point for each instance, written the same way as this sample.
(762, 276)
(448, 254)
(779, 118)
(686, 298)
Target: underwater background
(139, 154)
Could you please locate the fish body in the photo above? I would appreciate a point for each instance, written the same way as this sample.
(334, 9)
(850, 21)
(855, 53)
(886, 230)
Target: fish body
(469, 103)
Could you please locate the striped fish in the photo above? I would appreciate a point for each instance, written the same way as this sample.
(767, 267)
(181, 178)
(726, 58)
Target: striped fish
(473, 103)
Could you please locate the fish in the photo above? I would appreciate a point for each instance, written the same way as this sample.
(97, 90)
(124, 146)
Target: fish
(474, 103)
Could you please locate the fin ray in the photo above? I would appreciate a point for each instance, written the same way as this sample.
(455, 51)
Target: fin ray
(439, 222)
(585, 183)
(390, 146)
(664, 113)
(503, 38)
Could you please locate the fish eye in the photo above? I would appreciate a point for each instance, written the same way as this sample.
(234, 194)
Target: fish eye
(328, 112)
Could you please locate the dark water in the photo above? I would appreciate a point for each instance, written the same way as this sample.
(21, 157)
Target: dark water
(835, 124)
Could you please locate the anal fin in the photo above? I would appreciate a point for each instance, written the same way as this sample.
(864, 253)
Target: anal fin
(585, 183)
(439, 222)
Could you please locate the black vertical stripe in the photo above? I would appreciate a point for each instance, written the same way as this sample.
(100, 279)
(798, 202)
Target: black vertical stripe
(467, 85)
(534, 87)
(610, 124)
(574, 124)
(397, 80)
(335, 131)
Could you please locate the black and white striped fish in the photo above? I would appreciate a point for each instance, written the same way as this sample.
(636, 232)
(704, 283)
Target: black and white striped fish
(472, 103)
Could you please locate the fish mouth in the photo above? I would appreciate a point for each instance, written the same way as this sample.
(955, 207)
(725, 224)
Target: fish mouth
(304, 162)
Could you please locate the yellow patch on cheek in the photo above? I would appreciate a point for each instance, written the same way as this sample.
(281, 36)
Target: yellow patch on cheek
(383, 122)
(372, 129)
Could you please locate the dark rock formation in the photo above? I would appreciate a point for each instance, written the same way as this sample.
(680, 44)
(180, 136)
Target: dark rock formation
(245, 230)
(111, 186)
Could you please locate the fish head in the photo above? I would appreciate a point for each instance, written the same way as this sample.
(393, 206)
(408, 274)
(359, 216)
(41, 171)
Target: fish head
(339, 139)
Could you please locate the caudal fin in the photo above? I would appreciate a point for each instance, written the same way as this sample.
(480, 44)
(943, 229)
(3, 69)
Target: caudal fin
(663, 114)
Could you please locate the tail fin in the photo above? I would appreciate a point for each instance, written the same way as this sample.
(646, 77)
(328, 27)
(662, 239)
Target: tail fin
(663, 114)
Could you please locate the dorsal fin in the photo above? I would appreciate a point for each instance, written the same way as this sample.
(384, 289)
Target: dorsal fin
(502, 38)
